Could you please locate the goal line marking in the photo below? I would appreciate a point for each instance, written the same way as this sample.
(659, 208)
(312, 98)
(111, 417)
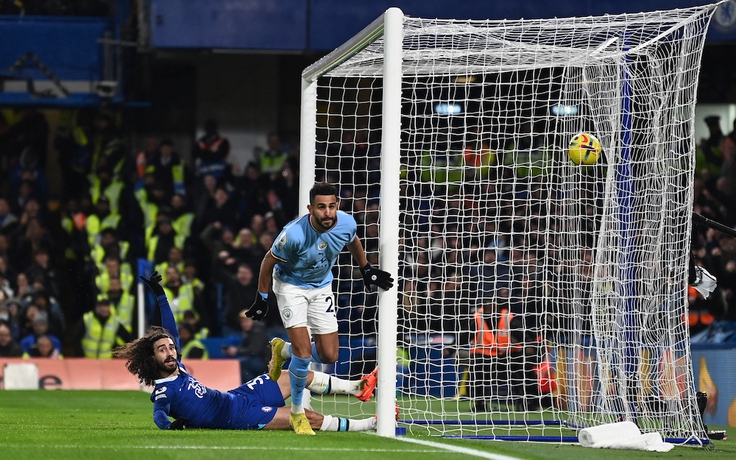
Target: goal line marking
(458, 449)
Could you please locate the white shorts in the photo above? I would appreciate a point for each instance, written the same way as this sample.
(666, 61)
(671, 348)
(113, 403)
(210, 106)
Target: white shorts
(314, 308)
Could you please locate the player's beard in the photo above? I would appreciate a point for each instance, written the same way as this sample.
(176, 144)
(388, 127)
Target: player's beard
(326, 226)
(167, 367)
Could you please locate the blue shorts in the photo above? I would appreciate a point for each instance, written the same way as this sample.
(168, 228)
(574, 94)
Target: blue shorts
(263, 396)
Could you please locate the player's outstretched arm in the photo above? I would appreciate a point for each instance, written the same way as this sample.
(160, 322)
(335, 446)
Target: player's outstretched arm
(259, 308)
(161, 414)
(371, 275)
(167, 316)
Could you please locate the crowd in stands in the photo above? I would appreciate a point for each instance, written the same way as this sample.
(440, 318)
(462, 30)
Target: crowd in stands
(715, 199)
(69, 265)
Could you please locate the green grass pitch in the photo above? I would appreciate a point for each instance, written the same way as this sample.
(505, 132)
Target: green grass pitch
(109, 425)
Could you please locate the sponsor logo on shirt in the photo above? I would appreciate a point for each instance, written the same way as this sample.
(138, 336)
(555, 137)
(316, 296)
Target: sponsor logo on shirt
(160, 393)
(281, 242)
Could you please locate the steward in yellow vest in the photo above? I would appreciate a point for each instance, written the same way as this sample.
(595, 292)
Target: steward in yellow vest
(108, 245)
(163, 240)
(175, 260)
(147, 194)
(181, 217)
(114, 269)
(103, 184)
(191, 347)
(101, 219)
(122, 303)
(169, 170)
(181, 296)
(96, 333)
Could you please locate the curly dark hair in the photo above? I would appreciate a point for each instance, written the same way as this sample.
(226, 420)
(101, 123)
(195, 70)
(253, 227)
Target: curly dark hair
(322, 188)
(139, 354)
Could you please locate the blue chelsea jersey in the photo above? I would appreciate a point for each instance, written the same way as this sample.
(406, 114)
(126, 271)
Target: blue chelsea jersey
(204, 407)
(306, 256)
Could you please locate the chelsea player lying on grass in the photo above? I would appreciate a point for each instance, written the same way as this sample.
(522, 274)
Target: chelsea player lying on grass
(257, 404)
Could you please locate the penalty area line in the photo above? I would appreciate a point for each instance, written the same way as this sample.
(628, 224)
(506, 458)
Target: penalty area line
(457, 449)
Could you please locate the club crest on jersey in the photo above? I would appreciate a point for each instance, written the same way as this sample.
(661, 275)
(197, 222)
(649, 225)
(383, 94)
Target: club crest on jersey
(322, 246)
(287, 313)
(199, 389)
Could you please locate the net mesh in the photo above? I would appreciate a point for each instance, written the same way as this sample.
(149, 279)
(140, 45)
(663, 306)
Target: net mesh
(578, 271)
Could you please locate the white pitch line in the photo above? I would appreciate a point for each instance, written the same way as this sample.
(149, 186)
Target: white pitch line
(457, 449)
(437, 448)
(268, 448)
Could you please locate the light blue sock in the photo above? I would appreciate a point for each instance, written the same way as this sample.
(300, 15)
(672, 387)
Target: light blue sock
(298, 372)
(315, 355)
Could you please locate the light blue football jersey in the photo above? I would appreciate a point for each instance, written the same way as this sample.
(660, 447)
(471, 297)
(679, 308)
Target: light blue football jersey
(306, 256)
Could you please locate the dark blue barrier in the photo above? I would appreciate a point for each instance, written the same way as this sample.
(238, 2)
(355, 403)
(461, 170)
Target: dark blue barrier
(430, 373)
(353, 356)
(214, 346)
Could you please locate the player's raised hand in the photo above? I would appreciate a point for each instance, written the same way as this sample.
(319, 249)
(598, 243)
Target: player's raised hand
(259, 308)
(154, 283)
(374, 276)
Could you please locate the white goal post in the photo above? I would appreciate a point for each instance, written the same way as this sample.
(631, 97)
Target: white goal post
(447, 139)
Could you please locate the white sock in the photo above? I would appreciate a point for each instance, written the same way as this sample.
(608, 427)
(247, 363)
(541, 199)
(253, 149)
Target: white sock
(339, 386)
(286, 351)
(320, 383)
(331, 423)
(323, 384)
(365, 424)
(307, 399)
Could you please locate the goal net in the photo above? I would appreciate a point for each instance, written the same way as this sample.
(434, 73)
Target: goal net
(534, 296)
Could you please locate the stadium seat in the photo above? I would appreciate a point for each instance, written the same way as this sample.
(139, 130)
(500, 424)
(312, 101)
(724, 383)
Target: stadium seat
(214, 346)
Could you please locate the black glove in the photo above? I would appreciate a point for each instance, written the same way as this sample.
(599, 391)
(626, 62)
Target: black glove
(259, 308)
(153, 283)
(179, 424)
(377, 277)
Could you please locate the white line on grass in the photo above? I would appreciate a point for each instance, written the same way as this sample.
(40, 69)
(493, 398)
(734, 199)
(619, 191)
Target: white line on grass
(268, 448)
(457, 449)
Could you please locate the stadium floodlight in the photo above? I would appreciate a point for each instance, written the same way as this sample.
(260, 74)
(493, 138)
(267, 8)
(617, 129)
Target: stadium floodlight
(448, 108)
(485, 209)
(562, 110)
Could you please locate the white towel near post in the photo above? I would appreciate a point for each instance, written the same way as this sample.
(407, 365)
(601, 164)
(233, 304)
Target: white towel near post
(622, 435)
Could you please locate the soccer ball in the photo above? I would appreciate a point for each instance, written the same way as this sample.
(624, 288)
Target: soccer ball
(584, 149)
